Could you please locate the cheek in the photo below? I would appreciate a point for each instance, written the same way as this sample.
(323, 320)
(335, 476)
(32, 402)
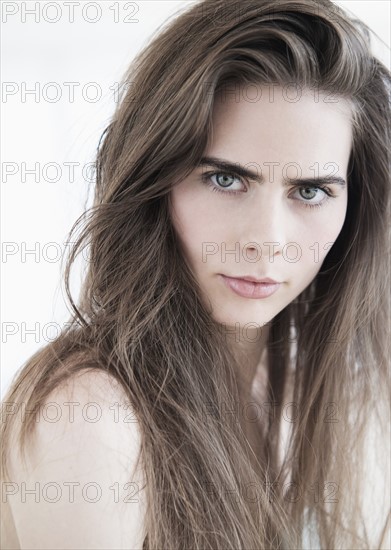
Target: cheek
(333, 220)
(197, 224)
(320, 231)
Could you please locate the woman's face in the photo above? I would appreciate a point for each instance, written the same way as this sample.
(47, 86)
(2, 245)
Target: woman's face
(234, 226)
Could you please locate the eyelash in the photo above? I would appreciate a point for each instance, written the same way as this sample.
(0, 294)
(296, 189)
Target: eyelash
(207, 175)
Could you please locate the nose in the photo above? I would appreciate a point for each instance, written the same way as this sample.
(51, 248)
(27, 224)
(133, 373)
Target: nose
(264, 233)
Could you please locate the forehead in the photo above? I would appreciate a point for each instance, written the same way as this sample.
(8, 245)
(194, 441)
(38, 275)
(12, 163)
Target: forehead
(278, 124)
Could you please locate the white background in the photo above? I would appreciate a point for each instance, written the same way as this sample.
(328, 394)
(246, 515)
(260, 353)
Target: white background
(50, 128)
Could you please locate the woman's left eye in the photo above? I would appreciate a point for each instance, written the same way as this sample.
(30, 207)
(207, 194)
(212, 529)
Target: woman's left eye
(320, 194)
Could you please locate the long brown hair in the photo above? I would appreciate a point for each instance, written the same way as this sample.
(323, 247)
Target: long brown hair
(140, 316)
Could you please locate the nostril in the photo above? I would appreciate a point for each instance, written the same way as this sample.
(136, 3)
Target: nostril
(266, 248)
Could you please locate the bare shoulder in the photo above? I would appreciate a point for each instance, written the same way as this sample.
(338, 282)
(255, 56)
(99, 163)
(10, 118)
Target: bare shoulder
(89, 407)
(84, 470)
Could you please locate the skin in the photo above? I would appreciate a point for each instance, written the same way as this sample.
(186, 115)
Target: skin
(251, 133)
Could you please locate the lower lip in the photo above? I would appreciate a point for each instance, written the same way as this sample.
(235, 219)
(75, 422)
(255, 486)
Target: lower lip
(247, 289)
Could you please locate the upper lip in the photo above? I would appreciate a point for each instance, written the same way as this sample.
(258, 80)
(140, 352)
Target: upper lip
(254, 279)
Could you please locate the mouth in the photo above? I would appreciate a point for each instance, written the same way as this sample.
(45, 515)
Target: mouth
(251, 287)
(252, 279)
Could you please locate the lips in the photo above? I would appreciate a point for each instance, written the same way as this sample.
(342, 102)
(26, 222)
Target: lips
(254, 279)
(260, 288)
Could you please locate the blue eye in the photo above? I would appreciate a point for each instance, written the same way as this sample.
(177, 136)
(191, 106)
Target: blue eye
(314, 192)
(220, 186)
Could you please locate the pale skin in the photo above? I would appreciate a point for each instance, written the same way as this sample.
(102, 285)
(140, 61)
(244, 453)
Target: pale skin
(308, 138)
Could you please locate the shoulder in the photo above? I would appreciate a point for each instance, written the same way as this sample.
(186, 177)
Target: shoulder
(90, 406)
(83, 465)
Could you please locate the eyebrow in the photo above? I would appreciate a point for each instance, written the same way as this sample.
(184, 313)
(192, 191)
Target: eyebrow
(235, 168)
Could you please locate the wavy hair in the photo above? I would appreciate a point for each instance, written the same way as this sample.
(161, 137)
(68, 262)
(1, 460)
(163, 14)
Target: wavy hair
(141, 318)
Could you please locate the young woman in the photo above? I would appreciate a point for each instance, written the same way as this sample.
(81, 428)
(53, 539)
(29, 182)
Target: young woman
(188, 406)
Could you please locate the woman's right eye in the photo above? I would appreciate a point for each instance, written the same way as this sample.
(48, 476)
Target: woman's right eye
(223, 181)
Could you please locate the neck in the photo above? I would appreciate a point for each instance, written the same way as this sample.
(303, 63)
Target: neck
(251, 356)
(251, 353)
